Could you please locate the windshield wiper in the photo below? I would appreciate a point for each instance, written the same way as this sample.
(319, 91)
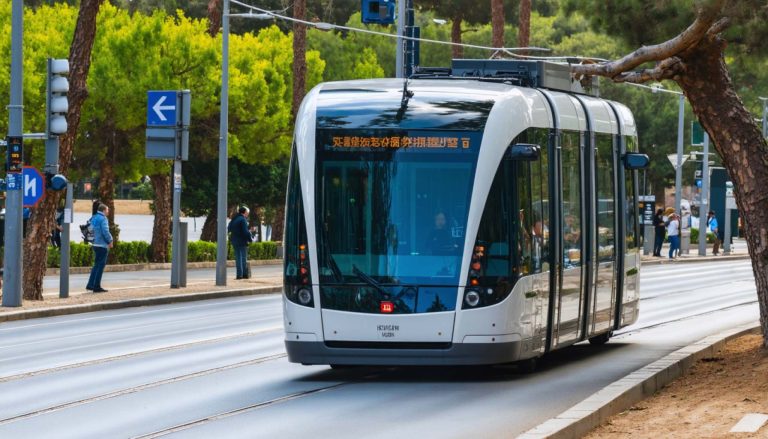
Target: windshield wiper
(370, 281)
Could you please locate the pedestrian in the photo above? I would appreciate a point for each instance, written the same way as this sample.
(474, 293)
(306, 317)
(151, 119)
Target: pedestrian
(660, 230)
(240, 237)
(102, 242)
(673, 231)
(712, 227)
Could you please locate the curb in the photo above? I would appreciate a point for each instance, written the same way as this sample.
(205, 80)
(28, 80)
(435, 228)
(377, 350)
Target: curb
(157, 266)
(661, 261)
(622, 394)
(130, 303)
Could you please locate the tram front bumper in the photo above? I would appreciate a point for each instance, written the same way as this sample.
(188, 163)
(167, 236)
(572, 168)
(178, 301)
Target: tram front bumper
(377, 354)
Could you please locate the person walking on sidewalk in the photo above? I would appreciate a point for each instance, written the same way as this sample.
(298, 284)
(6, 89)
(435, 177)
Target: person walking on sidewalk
(240, 237)
(660, 229)
(102, 242)
(712, 227)
(673, 231)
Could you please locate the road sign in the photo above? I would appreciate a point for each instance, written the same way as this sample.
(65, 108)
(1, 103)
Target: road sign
(33, 185)
(697, 174)
(673, 159)
(697, 134)
(161, 108)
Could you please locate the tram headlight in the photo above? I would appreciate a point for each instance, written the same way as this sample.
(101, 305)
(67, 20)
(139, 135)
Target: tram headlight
(304, 296)
(472, 298)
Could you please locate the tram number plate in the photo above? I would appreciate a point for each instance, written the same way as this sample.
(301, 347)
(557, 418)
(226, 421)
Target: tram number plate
(388, 331)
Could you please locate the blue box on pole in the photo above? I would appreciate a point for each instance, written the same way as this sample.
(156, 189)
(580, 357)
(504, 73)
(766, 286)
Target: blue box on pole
(378, 11)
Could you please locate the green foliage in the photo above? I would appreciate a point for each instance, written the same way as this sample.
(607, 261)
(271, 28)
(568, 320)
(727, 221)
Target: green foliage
(143, 191)
(695, 236)
(138, 252)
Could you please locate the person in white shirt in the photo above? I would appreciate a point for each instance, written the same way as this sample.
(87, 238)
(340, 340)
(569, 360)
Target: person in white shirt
(673, 231)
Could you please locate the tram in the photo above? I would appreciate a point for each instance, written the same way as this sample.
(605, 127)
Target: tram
(479, 214)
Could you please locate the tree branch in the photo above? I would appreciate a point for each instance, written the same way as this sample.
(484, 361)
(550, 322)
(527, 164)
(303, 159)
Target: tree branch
(666, 69)
(693, 34)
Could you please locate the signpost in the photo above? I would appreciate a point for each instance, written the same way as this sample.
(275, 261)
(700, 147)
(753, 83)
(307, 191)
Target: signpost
(33, 185)
(168, 117)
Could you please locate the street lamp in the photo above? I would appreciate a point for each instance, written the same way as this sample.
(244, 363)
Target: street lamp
(221, 206)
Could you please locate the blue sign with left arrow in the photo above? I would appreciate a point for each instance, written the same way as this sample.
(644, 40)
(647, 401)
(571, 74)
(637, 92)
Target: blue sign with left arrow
(161, 108)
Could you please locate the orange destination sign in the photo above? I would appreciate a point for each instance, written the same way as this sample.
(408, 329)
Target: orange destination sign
(401, 142)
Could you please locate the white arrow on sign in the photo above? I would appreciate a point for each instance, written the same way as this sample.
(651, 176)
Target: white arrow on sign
(158, 108)
(673, 159)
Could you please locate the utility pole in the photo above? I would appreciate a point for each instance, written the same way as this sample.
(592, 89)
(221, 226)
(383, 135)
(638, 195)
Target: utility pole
(704, 205)
(765, 115)
(679, 167)
(14, 255)
(400, 55)
(221, 207)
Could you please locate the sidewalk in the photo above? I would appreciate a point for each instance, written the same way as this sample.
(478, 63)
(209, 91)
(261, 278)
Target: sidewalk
(80, 300)
(738, 252)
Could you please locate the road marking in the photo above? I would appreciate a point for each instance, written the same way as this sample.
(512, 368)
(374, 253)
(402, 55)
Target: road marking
(750, 423)
(132, 313)
(141, 387)
(138, 353)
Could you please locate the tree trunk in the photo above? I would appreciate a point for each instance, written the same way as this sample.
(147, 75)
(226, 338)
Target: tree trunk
(524, 35)
(299, 56)
(43, 217)
(708, 87)
(457, 52)
(107, 191)
(161, 230)
(209, 227)
(497, 22)
(278, 226)
(214, 16)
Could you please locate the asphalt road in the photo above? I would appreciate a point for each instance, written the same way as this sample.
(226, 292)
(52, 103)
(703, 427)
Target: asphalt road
(218, 369)
(152, 278)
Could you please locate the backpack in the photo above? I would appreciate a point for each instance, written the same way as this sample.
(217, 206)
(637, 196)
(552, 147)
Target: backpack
(87, 232)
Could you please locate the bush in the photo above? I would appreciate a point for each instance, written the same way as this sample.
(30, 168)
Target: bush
(695, 236)
(138, 252)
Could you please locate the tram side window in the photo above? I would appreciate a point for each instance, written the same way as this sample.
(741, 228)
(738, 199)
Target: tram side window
(540, 203)
(494, 228)
(606, 222)
(571, 159)
(522, 219)
(631, 197)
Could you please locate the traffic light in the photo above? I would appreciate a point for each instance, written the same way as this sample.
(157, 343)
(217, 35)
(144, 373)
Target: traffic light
(56, 97)
(55, 182)
(378, 11)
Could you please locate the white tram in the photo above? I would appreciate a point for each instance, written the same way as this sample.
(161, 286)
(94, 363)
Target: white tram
(481, 214)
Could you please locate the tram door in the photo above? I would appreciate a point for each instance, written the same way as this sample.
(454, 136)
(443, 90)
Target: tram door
(605, 235)
(570, 298)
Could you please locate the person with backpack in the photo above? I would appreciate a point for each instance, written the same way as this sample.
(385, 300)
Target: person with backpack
(102, 242)
(240, 237)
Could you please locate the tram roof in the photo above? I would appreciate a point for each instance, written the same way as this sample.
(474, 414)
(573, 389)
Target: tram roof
(451, 104)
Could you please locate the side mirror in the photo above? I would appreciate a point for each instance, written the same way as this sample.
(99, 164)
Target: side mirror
(634, 160)
(523, 152)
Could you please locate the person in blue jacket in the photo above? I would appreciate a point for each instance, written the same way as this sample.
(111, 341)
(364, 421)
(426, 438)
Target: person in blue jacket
(240, 236)
(102, 242)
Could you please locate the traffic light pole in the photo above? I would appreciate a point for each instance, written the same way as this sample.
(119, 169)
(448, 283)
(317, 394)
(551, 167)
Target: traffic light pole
(13, 254)
(221, 206)
(704, 205)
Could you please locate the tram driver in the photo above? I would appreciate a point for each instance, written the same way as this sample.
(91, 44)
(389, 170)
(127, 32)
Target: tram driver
(440, 241)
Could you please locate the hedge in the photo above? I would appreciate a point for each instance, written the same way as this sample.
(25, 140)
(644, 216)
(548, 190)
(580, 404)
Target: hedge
(138, 252)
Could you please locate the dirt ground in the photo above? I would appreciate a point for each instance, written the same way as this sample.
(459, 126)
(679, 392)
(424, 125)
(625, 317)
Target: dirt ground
(705, 403)
(81, 297)
(122, 207)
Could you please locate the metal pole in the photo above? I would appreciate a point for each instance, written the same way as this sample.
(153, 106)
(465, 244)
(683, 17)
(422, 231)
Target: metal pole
(400, 55)
(221, 208)
(679, 167)
(727, 230)
(176, 249)
(64, 266)
(14, 252)
(704, 206)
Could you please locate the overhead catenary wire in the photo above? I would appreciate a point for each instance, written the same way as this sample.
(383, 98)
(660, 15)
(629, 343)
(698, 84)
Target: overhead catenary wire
(330, 26)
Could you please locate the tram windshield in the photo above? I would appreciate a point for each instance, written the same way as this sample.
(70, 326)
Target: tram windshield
(395, 215)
